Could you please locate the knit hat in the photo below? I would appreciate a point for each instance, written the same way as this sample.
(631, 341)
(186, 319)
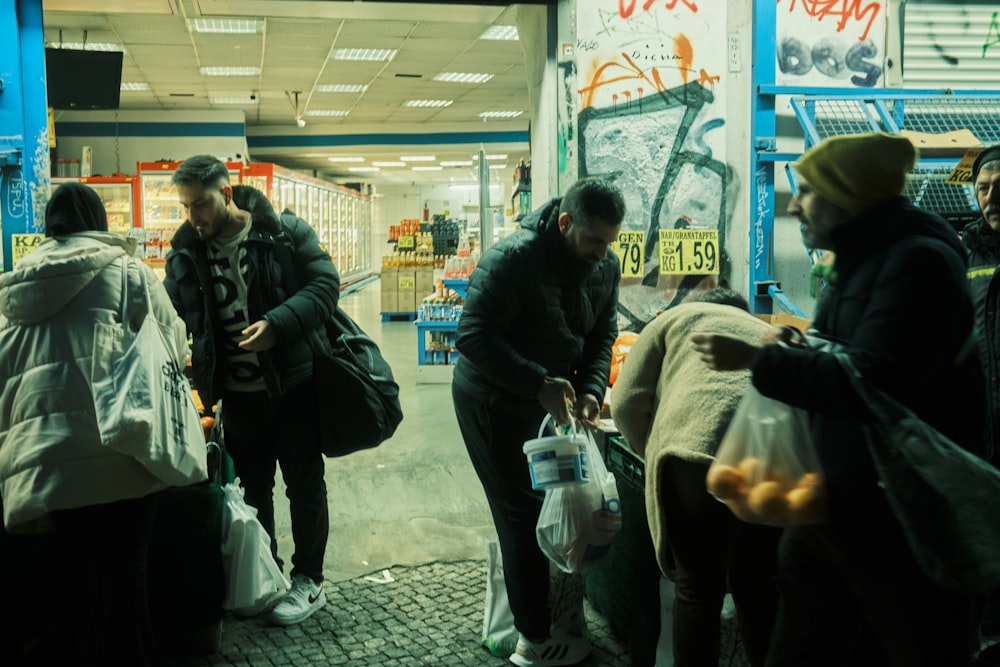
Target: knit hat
(986, 155)
(854, 171)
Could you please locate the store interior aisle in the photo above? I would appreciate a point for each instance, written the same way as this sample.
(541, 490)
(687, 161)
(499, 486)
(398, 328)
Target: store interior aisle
(414, 499)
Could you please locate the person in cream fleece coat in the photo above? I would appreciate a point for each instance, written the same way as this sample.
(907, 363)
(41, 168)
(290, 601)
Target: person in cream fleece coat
(55, 473)
(674, 411)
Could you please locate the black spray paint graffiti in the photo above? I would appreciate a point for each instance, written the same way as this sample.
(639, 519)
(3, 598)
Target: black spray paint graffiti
(830, 57)
(658, 156)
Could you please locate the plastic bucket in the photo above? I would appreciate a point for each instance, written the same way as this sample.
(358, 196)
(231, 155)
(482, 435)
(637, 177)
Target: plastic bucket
(556, 460)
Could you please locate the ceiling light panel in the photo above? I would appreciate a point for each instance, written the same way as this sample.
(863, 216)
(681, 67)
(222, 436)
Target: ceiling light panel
(227, 26)
(463, 77)
(327, 113)
(221, 99)
(337, 158)
(500, 114)
(389, 164)
(428, 103)
(133, 86)
(418, 158)
(456, 163)
(374, 55)
(341, 88)
(230, 71)
(493, 156)
(428, 168)
(362, 169)
(506, 33)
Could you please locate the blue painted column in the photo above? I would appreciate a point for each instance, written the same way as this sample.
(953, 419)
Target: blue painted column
(763, 141)
(24, 138)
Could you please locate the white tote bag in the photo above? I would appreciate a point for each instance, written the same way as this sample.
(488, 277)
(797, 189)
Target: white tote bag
(253, 578)
(142, 400)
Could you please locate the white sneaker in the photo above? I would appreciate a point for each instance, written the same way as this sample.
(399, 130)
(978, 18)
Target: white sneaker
(299, 603)
(552, 652)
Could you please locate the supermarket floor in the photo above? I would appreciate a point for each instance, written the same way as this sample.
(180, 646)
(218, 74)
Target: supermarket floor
(405, 562)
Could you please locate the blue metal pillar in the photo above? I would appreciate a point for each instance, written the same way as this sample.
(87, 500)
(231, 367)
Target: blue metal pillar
(24, 143)
(763, 141)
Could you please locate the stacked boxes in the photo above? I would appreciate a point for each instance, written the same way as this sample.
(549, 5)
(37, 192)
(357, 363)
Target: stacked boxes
(406, 282)
(390, 290)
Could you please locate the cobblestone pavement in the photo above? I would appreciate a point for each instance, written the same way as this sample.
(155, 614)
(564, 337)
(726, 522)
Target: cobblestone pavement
(425, 615)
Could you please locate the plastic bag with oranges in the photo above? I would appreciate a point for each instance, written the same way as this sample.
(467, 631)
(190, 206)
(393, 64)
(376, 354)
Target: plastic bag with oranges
(766, 469)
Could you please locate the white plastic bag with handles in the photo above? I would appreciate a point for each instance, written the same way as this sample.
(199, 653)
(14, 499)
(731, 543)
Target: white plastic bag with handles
(253, 578)
(579, 520)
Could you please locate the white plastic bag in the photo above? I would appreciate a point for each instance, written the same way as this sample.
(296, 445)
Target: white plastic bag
(578, 521)
(253, 578)
(566, 593)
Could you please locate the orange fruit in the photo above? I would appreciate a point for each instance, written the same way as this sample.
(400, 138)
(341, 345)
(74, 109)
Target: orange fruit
(738, 506)
(810, 480)
(725, 482)
(751, 469)
(767, 500)
(805, 506)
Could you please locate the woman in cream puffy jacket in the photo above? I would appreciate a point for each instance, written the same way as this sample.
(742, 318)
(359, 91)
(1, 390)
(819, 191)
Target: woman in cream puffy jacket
(54, 472)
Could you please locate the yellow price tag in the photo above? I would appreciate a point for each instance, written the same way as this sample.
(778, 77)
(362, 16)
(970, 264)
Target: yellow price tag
(407, 242)
(962, 173)
(689, 252)
(22, 244)
(407, 282)
(629, 250)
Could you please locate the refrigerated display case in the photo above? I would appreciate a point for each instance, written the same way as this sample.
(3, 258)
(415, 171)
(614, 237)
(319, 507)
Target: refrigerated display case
(341, 216)
(161, 212)
(119, 194)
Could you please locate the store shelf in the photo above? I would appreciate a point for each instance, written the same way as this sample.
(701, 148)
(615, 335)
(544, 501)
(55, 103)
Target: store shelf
(424, 326)
(458, 285)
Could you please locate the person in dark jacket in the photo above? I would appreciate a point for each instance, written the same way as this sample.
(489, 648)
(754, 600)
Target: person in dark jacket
(535, 337)
(253, 289)
(851, 591)
(982, 241)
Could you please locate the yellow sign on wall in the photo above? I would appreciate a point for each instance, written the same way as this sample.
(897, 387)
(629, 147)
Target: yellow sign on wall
(21, 246)
(689, 251)
(629, 250)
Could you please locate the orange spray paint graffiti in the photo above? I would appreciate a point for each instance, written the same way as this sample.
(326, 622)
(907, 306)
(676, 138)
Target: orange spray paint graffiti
(684, 51)
(627, 7)
(845, 9)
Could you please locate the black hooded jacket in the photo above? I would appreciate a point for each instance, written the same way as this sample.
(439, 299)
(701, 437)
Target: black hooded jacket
(526, 317)
(292, 284)
(900, 301)
(983, 245)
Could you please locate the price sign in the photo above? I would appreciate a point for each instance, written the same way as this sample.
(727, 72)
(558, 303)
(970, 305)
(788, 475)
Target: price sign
(689, 251)
(22, 244)
(407, 242)
(407, 282)
(962, 173)
(629, 250)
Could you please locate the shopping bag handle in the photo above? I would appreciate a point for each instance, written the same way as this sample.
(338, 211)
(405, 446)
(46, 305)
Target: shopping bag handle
(548, 419)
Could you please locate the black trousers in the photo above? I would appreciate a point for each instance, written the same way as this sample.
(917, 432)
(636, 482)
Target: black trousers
(712, 548)
(853, 596)
(262, 432)
(106, 547)
(494, 441)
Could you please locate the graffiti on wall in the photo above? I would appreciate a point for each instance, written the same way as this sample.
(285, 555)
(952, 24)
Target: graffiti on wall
(830, 43)
(651, 109)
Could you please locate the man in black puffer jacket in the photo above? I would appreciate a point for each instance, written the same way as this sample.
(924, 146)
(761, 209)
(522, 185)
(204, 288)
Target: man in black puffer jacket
(535, 338)
(982, 240)
(851, 593)
(253, 288)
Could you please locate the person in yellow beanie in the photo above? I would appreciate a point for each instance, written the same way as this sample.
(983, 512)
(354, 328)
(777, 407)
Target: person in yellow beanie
(851, 592)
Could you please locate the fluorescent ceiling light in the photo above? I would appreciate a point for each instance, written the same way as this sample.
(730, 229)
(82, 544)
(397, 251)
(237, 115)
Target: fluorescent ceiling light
(362, 169)
(456, 163)
(230, 71)
(418, 158)
(374, 55)
(341, 88)
(500, 114)
(89, 46)
(427, 103)
(232, 100)
(345, 159)
(389, 164)
(498, 166)
(463, 77)
(507, 33)
(495, 156)
(230, 26)
(426, 168)
(327, 113)
(131, 86)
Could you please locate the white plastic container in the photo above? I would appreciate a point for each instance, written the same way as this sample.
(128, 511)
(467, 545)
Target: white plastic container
(556, 460)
